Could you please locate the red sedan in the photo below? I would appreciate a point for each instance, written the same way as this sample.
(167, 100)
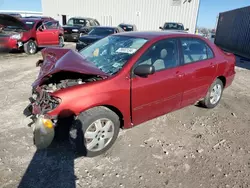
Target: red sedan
(123, 80)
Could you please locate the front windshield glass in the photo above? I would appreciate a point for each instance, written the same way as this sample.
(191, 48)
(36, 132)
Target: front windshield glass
(173, 26)
(74, 21)
(101, 31)
(111, 53)
(29, 24)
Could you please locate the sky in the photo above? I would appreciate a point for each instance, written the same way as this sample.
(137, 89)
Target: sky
(209, 9)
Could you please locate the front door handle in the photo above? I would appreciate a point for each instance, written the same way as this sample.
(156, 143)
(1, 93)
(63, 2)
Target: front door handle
(212, 65)
(179, 74)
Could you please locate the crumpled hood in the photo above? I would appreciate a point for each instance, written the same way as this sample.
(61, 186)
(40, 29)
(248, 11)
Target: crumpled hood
(7, 20)
(59, 59)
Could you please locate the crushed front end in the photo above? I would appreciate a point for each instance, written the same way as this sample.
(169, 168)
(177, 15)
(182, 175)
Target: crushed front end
(43, 125)
(60, 71)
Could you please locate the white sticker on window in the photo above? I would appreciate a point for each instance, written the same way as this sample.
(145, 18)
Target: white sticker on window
(116, 65)
(29, 22)
(126, 50)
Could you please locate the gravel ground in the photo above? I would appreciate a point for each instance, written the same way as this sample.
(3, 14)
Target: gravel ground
(189, 148)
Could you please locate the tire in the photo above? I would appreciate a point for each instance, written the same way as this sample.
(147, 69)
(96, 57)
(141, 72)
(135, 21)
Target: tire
(208, 102)
(61, 41)
(91, 146)
(30, 47)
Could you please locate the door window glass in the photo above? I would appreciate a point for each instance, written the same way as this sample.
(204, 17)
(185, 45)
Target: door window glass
(51, 25)
(162, 55)
(195, 50)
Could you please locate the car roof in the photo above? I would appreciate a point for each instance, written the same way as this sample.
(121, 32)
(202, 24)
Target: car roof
(154, 34)
(36, 19)
(86, 18)
(125, 24)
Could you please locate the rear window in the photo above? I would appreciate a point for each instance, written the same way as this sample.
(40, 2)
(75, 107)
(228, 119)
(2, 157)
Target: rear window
(173, 26)
(126, 27)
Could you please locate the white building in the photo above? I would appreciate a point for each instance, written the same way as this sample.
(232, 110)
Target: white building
(145, 14)
(23, 13)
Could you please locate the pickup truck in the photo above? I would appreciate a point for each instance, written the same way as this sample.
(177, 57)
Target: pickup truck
(173, 26)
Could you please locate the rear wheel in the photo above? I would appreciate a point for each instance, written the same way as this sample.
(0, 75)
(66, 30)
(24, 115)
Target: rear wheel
(30, 47)
(214, 94)
(95, 131)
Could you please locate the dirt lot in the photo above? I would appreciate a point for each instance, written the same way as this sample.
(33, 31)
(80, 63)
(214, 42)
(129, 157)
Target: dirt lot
(190, 148)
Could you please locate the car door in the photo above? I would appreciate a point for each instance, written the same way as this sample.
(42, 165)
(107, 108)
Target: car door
(48, 34)
(160, 92)
(199, 66)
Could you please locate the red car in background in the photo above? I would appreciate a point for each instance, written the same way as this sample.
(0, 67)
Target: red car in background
(29, 34)
(123, 80)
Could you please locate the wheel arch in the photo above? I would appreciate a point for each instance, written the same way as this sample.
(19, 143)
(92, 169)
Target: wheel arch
(32, 38)
(223, 79)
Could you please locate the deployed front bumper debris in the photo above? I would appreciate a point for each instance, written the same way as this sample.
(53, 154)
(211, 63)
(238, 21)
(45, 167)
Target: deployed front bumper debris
(44, 132)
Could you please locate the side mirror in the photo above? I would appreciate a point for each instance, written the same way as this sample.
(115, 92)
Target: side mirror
(144, 70)
(187, 29)
(160, 28)
(40, 29)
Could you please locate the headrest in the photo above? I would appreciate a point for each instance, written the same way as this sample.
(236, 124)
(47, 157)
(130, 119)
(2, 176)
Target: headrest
(164, 53)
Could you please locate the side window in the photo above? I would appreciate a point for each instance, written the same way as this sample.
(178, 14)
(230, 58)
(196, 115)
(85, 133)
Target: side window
(120, 29)
(92, 23)
(210, 53)
(162, 55)
(195, 50)
(88, 23)
(71, 22)
(51, 25)
(96, 22)
(116, 31)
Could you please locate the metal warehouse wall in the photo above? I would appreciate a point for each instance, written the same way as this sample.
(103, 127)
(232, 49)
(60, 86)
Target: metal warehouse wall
(146, 14)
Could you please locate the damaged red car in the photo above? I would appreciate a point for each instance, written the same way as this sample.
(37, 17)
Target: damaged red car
(124, 80)
(29, 34)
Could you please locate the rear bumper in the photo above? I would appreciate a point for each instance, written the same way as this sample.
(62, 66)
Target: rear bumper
(71, 37)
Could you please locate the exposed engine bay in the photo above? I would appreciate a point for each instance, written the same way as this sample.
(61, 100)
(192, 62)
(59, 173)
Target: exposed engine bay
(63, 80)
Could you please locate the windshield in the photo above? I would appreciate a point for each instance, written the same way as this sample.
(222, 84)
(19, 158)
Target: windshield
(74, 21)
(101, 31)
(29, 24)
(111, 53)
(173, 26)
(126, 27)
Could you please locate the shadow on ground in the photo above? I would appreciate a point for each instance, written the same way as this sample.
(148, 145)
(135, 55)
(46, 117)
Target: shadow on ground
(243, 62)
(50, 168)
(54, 167)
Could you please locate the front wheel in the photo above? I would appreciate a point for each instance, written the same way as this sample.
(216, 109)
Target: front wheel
(30, 47)
(214, 94)
(94, 131)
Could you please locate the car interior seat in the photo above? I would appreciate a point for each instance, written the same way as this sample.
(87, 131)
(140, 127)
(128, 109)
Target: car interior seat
(197, 52)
